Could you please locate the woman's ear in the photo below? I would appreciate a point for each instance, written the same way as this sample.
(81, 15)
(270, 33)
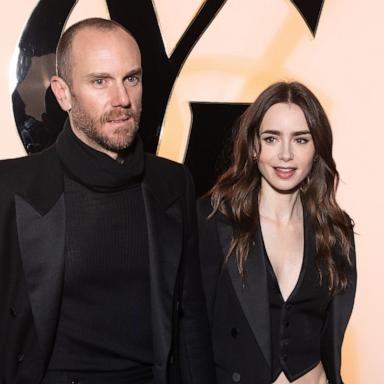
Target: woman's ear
(62, 93)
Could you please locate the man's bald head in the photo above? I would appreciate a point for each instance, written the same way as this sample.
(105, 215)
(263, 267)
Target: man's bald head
(64, 48)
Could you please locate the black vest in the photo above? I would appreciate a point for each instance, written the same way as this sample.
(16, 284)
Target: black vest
(296, 324)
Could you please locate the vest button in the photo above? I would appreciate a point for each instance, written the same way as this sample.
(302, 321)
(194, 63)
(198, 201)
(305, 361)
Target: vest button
(75, 381)
(12, 311)
(235, 332)
(285, 343)
(236, 377)
(20, 358)
(288, 307)
(286, 324)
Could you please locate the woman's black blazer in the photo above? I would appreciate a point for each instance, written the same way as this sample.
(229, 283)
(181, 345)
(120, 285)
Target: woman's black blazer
(239, 316)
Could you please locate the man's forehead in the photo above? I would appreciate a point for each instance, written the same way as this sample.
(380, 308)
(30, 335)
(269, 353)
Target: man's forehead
(104, 52)
(92, 35)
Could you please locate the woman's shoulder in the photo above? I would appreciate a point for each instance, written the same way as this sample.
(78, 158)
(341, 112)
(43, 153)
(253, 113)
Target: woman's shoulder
(204, 207)
(206, 212)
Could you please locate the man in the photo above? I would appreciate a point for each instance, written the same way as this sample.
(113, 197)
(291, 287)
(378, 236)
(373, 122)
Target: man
(99, 276)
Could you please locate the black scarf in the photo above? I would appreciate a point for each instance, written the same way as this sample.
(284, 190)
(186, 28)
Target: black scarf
(95, 169)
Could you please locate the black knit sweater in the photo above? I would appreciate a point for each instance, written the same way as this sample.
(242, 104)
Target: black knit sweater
(105, 320)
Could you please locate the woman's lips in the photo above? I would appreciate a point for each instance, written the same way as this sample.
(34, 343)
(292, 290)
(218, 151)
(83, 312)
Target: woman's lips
(284, 172)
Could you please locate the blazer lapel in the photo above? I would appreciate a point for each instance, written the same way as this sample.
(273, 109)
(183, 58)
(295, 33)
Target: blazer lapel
(165, 233)
(253, 295)
(40, 220)
(41, 240)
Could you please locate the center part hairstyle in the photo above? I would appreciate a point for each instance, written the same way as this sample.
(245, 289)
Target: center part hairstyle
(236, 192)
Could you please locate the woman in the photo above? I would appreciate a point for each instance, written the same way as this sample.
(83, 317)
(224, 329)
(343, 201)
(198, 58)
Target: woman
(277, 252)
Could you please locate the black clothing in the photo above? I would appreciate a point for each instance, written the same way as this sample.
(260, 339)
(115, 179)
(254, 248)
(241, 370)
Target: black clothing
(97, 170)
(240, 315)
(32, 254)
(106, 264)
(117, 377)
(297, 323)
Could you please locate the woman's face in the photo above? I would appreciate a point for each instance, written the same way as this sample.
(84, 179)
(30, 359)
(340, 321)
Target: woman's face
(286, 147)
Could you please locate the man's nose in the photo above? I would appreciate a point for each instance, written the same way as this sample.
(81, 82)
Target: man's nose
(121, 96)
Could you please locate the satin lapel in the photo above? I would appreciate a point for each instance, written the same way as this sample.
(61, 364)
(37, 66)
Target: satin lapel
(165, 245)
(309, 239)
(41, 240)
(253, 296)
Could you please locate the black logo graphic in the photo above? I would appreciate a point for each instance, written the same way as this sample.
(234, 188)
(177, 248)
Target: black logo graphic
(209, 149)
(40, 38)
(39, 119)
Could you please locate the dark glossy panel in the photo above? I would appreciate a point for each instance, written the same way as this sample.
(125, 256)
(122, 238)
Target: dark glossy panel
(160, 72)
(210, 142)
(310, 11)
(38, 117)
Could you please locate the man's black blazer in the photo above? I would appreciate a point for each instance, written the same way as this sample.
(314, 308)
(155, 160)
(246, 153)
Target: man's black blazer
(32, 232)
(239, 317)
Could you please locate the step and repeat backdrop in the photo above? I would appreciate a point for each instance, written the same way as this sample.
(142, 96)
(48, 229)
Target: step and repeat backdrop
(204, 62)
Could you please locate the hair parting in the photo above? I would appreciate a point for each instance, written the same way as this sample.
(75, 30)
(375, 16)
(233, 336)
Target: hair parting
(236, 193)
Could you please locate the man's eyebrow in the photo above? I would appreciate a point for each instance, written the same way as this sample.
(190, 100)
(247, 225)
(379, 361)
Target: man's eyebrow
(106, 75)
(98, 75)
(135, 71)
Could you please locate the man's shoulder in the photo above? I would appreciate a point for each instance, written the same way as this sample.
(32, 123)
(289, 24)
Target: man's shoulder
(27, 161)
(23, 170)
(161, 162)
(165, 168)
(12, 167)
(167, 178)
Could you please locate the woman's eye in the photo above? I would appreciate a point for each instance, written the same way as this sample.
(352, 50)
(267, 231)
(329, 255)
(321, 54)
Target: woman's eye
(270, 139)
(301, 140)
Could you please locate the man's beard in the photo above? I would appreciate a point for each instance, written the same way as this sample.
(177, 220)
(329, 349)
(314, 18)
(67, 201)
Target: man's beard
(118, 139)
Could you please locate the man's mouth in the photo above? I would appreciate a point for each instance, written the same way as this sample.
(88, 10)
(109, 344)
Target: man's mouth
(119, 119)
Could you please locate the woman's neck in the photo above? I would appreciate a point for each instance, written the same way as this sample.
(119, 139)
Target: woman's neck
(279, 207)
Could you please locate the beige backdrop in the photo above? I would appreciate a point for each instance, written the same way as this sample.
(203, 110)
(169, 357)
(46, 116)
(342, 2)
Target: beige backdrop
(249, 45)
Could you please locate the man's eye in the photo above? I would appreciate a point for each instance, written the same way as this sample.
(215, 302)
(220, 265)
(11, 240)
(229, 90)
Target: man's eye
(99, 82)
(133, 79)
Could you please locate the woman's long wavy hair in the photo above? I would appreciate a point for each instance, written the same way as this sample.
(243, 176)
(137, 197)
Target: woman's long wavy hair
(236, 192)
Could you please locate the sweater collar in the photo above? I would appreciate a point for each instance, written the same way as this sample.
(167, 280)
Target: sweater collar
(95, 169)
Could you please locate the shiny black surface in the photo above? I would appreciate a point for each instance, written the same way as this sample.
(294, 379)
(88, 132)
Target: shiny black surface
(39, 118)
(210, 141)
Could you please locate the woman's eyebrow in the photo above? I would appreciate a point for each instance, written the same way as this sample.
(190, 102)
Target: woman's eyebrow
(298, 133)
(278, 133)
(271, 132)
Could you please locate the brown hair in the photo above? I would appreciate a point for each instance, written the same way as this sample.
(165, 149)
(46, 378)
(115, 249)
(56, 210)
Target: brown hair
(236, 192)
(64, 47)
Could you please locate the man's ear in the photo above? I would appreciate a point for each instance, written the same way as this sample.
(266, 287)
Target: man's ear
(62, 92)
